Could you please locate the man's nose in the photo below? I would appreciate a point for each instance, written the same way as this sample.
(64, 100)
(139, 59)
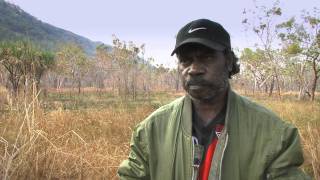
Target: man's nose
(196, 68)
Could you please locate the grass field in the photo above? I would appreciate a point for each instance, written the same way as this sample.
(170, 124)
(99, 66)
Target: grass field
(86, 136)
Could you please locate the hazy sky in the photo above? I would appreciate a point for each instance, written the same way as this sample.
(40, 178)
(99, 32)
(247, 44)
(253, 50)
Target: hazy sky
(154, 23)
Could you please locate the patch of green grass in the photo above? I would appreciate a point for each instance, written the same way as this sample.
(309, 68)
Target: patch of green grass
(94, 100)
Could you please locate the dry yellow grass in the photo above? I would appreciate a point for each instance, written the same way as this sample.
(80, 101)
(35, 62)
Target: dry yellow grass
(87, 144)
(91, 143)
(305, 115)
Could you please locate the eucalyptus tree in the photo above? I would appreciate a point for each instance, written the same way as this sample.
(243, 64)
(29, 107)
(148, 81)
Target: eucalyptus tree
(257, 68)
(301, 40)
(103, 65)
(262, 22)
(72, 62)
(126, 57)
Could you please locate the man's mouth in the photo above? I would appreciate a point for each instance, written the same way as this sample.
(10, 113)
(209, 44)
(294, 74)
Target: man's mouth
(195, 87)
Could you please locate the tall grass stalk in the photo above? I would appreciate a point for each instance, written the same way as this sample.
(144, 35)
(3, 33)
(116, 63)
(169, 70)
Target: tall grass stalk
(311, 139)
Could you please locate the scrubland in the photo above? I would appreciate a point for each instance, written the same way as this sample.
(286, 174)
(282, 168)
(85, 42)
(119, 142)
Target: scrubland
(67, 135)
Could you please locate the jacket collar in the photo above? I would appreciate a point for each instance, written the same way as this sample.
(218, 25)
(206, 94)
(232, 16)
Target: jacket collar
(186, 116)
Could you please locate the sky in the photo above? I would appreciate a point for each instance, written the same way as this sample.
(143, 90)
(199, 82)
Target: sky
(154, 23)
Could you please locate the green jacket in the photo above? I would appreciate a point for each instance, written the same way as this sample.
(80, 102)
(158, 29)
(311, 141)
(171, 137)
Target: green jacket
(255, 144)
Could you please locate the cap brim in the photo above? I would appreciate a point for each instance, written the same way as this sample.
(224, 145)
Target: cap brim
(201, 41)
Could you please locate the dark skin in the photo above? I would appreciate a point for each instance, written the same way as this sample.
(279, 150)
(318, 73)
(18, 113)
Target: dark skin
(204, 73)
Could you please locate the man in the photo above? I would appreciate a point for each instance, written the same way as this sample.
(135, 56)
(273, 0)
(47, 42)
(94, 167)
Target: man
(211, 133)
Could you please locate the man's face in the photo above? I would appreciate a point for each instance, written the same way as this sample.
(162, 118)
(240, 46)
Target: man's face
(203, 71)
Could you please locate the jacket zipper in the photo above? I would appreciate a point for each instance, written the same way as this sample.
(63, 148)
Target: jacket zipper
(224, 148)
(195, 167)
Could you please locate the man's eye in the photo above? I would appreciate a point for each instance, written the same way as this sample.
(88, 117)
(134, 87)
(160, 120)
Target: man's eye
(207, 56)
(185, 60)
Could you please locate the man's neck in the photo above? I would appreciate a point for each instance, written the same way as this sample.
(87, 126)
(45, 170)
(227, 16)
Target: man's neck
(208, 110)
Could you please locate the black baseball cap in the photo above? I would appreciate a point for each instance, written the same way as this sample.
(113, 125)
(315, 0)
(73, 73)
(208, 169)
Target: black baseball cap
(204, 32)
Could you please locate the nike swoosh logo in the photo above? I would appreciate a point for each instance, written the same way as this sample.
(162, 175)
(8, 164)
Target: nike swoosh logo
(195, 29)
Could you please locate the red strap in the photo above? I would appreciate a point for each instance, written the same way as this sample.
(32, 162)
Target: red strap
(205, 166)
(206, 163)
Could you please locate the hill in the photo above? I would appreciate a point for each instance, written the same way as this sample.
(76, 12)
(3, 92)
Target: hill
(16, 24)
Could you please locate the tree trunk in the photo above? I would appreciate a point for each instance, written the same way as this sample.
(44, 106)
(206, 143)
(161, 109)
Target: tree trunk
(79, 86)
(125, 85)
(271, 87)
(266, 88)
(278, 85)
(315, 79)
(300, 92)
(314, 85)
(254, 86)
(301, 83)
(134, 84)
(15, 87)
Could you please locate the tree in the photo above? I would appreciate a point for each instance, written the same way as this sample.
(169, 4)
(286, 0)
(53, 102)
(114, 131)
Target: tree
(35, 62)
(257, 66)
(2, 75)
(44, 60)
(302, 42)
(126, 57)
(11, 54)
(103, 65)
(24, 63)
(73, 62)
(146, 70)
(262, 22)
(176, 77)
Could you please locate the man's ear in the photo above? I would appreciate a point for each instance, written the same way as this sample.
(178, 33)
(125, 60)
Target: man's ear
(229, 62)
